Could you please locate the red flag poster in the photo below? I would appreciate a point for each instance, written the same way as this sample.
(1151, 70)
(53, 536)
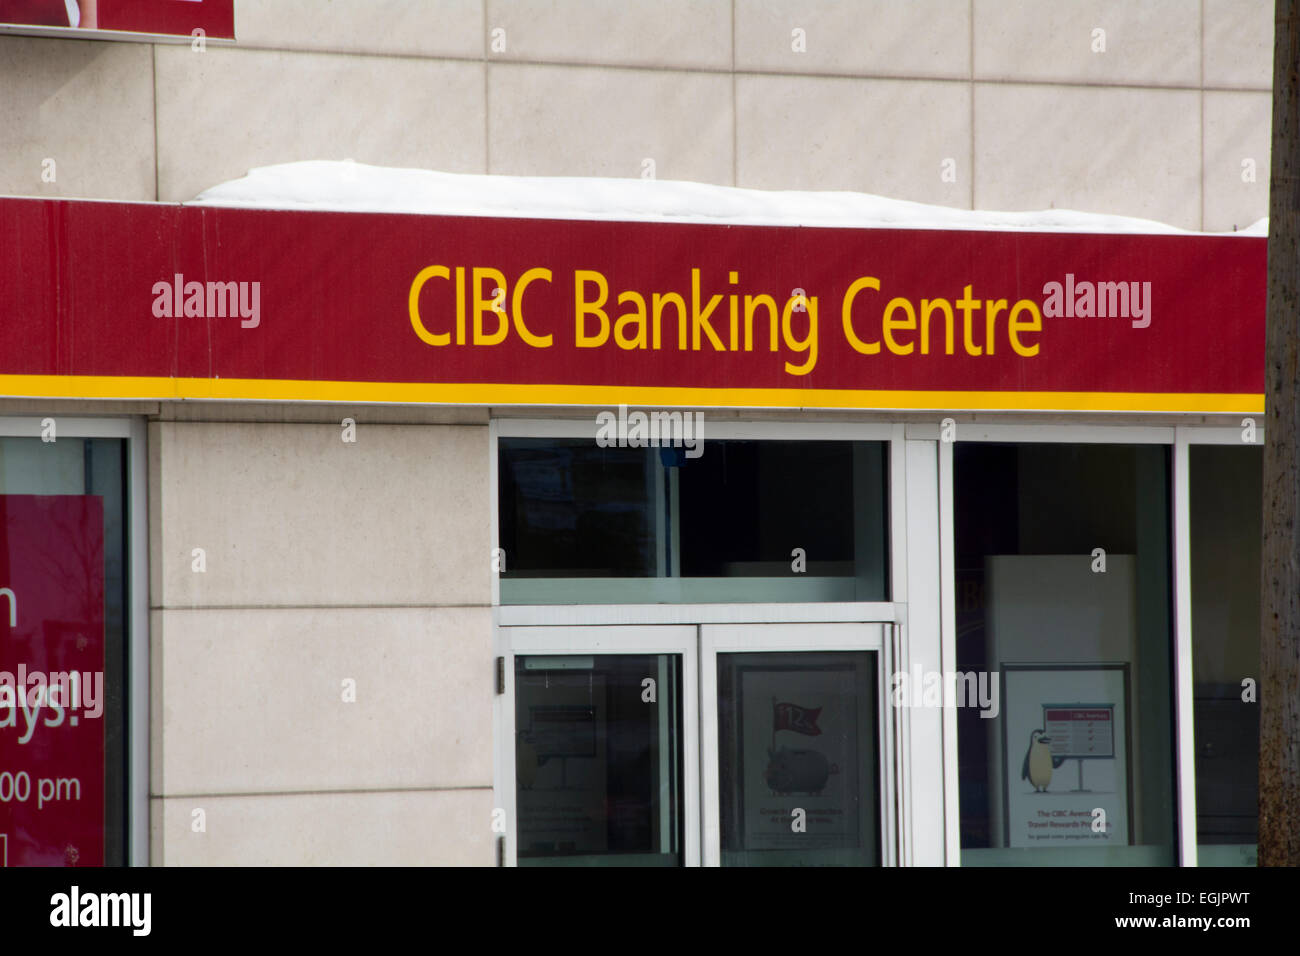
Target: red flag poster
(802, 720)
(51, 680)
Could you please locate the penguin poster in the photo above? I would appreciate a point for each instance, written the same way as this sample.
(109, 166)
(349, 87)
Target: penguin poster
(1065, 755)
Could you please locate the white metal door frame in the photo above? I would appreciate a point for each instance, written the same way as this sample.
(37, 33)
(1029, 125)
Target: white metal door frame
(920, 780)
(776, 638)
(553, 629)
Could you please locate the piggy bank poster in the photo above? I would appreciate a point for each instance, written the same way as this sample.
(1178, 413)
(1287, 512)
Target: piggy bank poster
(800, 740)
(51, 680)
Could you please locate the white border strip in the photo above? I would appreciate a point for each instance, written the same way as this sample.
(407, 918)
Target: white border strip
(1184, 684)
(948, 657)
(139, 691)
(29, 426)
(1068, 434)
(722, 427)
(571, 615)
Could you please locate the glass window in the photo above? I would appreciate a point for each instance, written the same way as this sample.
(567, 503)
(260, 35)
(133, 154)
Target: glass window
(744, 521)
(1226, 515)
(598, 771)
(63, 652)
(1063, 592)
(797, 759)
(570, 508)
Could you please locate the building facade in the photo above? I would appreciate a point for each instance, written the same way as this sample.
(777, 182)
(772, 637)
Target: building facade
(430, 644)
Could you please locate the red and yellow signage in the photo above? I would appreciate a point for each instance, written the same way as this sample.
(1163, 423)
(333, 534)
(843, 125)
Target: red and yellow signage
(111, 300)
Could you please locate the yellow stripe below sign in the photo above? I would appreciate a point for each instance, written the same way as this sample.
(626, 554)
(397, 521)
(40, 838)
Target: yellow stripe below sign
(289, 390)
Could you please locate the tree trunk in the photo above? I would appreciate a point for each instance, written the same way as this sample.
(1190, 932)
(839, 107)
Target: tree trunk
(1279, 646)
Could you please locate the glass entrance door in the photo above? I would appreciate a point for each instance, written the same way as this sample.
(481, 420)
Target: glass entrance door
(791, 736)
(601, 746)
(614, 753)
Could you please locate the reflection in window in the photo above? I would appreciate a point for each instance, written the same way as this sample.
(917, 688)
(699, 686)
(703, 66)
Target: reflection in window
(745, 521)
(571, 508)
(1062, 563)
(1226, 506)
(598, 776)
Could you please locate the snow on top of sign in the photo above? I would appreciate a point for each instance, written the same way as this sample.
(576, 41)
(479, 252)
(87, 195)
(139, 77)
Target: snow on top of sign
(355, 187)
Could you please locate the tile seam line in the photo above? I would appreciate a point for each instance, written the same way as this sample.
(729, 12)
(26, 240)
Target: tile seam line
(487, 88)
(1200, 103)
(735, 106)
(153, 106)
(726, 71)
(971, 174)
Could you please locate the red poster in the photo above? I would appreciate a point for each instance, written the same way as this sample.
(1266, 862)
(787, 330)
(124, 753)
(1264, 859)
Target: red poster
(51, 680)
(155, 18)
